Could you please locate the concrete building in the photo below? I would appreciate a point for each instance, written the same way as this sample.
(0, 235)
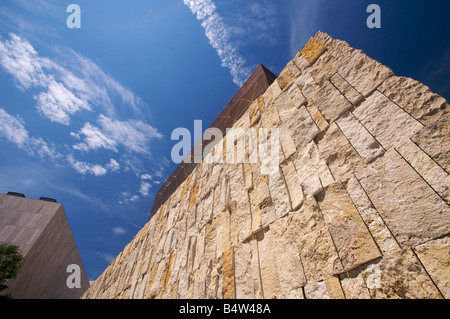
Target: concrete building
(41, 230)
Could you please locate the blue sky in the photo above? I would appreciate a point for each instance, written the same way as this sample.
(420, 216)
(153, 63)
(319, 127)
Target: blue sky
(86, 114)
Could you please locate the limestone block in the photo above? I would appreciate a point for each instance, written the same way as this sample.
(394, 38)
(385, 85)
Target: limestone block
(268, 215)
(272, 92)
(318, 118)
(350, 235)
(353, 284)
(388, 123)
(318, 254)
(248, 175)
(411, 209)
(279, 194)
(334, 288)
(362, 141)
(191, 253)
(345, 88)
(268, 266)
(287, 143)
(307, 85)
(199, 249)
(223, 240)
(435, 256)
(228, 288)
(247, 274)
(293, 184)
(254, 113)
(207, 209)
(331, 103)
(270, 118)
(191, 219)
(210, 241)
(199, 283)
(213, 280)
(255, 212)
(438, 179)
(313, 50)
(301, 62)
(364, 73)
(338, 154)
(324, 68)
(300, 124)
(234, 227)
(324, 38)
(399, 276)
(316, 290)
(286, 254)
(288, 75)
(241, 210)
(435, 141)
(415, 98)
(380, 232)
(307, 165)
(297, 96)
(193, 195)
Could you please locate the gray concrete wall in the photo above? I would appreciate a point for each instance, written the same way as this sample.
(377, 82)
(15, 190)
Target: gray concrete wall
(42, 232)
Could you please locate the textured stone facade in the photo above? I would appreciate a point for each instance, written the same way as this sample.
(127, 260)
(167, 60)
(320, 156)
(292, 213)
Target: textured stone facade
(359, 207)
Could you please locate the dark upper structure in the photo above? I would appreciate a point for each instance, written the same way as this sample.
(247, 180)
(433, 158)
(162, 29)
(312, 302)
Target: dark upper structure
(253, 88)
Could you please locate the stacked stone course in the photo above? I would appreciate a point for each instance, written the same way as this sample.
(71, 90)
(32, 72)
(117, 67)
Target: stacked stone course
(359, 207)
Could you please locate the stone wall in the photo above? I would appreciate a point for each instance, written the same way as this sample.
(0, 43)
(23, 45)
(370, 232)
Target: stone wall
(359, 207)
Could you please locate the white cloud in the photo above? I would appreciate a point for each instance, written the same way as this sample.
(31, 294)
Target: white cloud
(218, 34)
(256, 23)
(94, 138)
(62, 93)
(113, 165)
(19, 58)
(133, 135)
(128, 198)
(119, 231)
(145, 188)
(86, 168)
(12, 128)
(59, 103)
(146, 177)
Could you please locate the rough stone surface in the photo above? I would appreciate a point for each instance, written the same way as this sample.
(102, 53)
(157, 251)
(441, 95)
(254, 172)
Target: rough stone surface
(387, 122)
(362, 141)
(409, 206)
(435, 141)
(313, 50)
(353, 241)
(435, 256)
(346, 89)
(415, 98)
(357, 206)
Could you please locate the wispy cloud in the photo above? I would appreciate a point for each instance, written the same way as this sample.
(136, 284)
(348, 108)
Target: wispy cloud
(145, 188)
(303, 18)
(132, 135)
(12, 129)
(256, 23)
(119, 231)
(218, 34)
(65, 92)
